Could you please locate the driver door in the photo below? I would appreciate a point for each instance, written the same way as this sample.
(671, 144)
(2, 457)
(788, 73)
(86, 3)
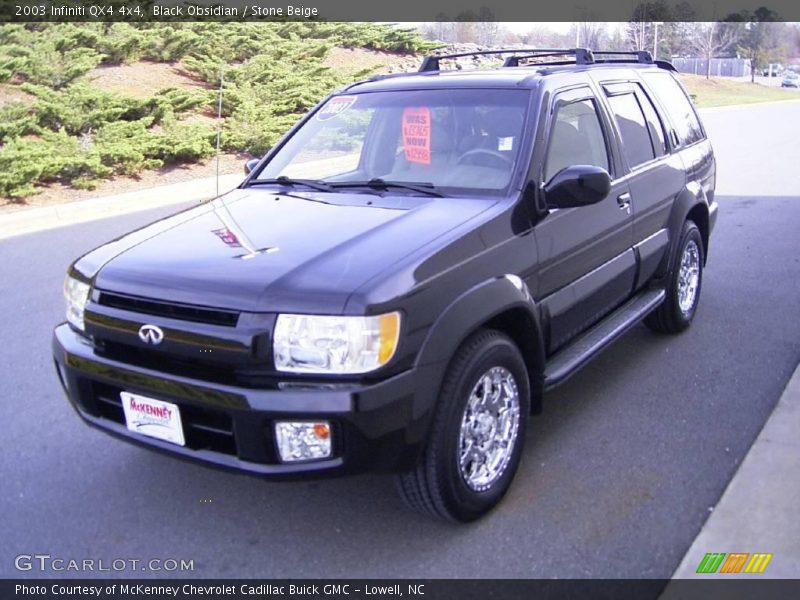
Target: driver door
(586, 260)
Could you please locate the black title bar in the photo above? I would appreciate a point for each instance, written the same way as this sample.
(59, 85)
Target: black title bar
(422, 589)
(406, 11)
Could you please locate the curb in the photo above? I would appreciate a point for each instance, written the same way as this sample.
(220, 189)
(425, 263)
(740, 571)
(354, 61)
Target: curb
(757, 510)
(49, 217)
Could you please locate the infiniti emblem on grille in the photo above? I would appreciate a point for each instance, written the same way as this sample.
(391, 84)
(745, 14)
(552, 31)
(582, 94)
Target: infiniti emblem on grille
(151, 334)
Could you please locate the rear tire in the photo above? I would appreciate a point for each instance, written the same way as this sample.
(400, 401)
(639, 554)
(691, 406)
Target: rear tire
(477, 433)
(685, 281)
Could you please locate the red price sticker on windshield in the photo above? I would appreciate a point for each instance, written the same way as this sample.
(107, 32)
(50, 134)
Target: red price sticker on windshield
(417, 134)
(335, 106)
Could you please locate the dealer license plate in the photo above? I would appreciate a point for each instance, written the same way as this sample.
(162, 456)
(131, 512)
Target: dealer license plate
(154, 418)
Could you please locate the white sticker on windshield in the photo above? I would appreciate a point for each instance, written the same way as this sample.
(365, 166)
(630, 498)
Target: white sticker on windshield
(505, 143)
(335, 106)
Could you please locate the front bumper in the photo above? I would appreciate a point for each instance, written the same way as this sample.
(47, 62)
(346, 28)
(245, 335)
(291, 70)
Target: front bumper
(713, 213)
(375, 427)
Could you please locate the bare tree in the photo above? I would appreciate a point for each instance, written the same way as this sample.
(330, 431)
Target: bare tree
(465, 29)
(636, 35)
(646, 19)
(487, 27)
(542, 36)
(441, 29)
(616, 40)
(589, 34)
(710, 39)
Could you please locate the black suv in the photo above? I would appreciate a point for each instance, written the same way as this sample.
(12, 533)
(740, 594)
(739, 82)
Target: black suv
(396, 284)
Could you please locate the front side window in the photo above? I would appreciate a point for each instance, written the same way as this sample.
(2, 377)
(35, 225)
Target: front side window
(576, 138)
(461, 140)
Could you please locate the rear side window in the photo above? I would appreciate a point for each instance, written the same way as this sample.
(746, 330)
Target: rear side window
(677, 105)
(576, 138)
(633, 129)
(653, 122)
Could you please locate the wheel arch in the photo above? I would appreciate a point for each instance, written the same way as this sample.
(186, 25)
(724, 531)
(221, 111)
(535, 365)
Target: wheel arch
(504, 304)
(691, 204)
(699, 215)
(518, 325)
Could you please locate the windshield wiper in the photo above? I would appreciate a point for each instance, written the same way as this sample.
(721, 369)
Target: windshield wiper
(289, 182)
(381, 185)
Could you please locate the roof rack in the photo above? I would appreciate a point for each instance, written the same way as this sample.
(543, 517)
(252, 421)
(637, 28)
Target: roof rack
(665, 64)
(582, 56)
(642, 56)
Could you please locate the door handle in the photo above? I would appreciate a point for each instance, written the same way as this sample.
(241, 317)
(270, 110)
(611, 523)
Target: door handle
(624, 201)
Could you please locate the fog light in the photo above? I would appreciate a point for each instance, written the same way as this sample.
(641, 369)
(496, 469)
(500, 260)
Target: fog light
(303, 440)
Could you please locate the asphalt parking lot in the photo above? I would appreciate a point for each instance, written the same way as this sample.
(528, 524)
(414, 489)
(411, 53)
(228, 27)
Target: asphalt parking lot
(618, 476)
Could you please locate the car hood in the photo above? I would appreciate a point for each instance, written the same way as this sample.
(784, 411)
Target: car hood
(257, 250)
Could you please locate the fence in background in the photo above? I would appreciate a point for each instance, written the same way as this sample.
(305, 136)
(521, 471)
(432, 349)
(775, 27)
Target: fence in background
(720, 67)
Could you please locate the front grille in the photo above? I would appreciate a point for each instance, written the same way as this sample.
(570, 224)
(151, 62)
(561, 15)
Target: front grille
(154, 360)
(203, 428)
(183, 312)
(256, 375)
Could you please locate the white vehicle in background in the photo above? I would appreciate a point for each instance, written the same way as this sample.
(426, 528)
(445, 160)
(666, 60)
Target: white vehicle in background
(791, 80)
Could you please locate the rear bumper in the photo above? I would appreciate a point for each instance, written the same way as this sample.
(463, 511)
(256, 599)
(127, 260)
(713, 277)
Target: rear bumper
(375, 427)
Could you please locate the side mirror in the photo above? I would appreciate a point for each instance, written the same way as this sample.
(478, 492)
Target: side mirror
(250, 165)
(578, 185)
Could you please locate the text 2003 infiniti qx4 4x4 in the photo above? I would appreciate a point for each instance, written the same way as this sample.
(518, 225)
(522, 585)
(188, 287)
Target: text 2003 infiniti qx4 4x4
(397, 283)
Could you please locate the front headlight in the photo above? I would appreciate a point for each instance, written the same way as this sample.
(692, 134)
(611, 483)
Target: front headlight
(77, 294)
(345, 345)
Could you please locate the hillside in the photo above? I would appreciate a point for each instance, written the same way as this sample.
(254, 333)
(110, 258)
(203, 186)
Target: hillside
(85, 104)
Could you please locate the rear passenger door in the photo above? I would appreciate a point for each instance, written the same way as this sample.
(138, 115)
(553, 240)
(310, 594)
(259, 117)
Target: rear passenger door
(586, 264)
(654, 176)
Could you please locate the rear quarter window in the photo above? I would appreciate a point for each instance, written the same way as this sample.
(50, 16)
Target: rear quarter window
(678, 106)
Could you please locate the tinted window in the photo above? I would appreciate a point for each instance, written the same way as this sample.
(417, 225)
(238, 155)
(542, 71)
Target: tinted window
(333, 148)
(576, 138)
(654, 124)
(464, 141)
(677, 105)
(632, 126)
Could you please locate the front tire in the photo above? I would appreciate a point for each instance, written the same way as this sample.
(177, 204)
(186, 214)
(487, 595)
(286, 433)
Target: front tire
(477, 434)
(685, 280)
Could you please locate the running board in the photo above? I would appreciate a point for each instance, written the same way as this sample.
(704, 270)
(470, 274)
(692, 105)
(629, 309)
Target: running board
(570, 359)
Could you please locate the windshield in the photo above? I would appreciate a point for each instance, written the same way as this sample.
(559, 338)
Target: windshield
(462, 141)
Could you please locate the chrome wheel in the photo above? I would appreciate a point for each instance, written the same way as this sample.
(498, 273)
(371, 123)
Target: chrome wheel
(489, 429)
(688, 277)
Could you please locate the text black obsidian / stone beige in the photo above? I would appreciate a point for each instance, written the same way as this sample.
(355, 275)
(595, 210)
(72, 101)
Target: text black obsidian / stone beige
(253, 10)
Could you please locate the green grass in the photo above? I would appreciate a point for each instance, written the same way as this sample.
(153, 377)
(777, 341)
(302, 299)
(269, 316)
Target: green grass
(719, 91)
